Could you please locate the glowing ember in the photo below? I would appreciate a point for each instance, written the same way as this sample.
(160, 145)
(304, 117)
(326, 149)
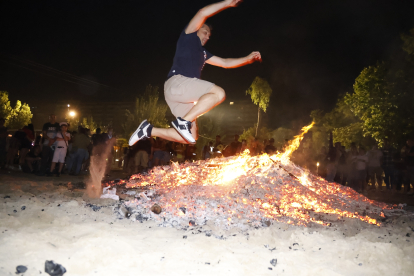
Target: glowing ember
(246, 191)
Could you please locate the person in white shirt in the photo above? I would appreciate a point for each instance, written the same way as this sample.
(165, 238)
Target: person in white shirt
(62, 140)
(374, 166)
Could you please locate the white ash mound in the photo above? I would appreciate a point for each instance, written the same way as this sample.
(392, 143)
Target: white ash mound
(244, 192)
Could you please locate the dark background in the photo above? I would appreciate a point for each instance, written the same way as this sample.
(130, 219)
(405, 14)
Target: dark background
(110, 50)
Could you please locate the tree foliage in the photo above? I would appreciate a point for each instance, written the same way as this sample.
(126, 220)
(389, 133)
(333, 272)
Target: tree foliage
(381, 105)
(344, 125)
(86, 122)
(16, 117)
(383, 100)
(251, 133)
(408, 43)
(280, 135)
(260, 93)
(147, 107)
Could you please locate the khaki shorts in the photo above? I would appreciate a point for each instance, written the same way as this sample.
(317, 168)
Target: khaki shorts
(181, 93)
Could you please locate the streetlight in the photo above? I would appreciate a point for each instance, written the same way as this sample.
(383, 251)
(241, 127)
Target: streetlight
(72, 114)
(317, 168)
(68, 107)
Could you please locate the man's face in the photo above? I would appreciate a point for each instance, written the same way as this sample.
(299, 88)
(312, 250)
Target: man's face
(52, 118)
(204, 34)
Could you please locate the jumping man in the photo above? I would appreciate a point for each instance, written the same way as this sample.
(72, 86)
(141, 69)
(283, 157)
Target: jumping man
(183, 86)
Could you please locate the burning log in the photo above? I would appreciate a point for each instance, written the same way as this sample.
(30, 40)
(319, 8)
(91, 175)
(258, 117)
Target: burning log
(156, 209)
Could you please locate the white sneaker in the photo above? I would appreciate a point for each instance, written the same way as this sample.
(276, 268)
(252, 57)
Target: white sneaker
(141, 133)
(184, 129)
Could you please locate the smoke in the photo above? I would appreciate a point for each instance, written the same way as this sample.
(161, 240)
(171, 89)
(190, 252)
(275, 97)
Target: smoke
(99, 166)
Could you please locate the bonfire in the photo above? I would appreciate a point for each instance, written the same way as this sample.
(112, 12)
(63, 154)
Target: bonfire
(245, 191)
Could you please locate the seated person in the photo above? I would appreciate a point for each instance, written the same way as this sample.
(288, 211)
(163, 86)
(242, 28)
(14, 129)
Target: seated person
(32, 160)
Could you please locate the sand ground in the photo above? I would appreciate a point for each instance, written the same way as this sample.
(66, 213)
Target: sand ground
(41, 219)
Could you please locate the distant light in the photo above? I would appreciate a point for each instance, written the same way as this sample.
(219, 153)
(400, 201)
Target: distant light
(231, 103)
(317, 164)
(72, 113)
(68, 105)
(195, 102)
(116, 160)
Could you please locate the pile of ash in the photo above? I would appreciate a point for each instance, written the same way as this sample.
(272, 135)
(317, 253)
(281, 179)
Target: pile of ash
(243, 192)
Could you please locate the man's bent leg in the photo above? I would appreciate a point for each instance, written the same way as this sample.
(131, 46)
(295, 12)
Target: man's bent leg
(206, 103)
(169, 134)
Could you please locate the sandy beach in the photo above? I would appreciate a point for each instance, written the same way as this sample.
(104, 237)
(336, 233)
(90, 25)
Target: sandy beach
(41, 219)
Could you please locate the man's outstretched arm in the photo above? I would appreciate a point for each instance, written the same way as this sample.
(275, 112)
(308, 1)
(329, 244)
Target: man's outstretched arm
(208, 11)
(234, 62)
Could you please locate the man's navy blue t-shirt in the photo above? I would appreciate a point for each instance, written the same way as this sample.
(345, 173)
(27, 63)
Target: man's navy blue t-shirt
(190, 56)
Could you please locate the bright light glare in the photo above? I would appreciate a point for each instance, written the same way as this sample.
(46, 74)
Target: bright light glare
(68, 105)
(72, 113)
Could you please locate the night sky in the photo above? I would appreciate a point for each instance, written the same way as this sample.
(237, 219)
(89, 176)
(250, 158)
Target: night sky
(110, 50)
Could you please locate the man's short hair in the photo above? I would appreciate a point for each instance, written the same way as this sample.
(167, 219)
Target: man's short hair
(209, 26)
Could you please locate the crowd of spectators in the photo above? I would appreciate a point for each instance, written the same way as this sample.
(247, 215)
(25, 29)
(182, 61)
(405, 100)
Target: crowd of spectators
(56, 150)
(384, 169)
(53, 151)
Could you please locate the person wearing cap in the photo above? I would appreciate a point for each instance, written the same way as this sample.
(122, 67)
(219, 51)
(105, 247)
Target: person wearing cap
(62, 139)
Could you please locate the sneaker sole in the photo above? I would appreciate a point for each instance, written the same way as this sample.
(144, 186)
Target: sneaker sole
(191, 142)
(135, 133)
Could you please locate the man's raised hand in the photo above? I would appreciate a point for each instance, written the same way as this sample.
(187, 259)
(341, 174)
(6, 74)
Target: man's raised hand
(233, 3)
(254, 56)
